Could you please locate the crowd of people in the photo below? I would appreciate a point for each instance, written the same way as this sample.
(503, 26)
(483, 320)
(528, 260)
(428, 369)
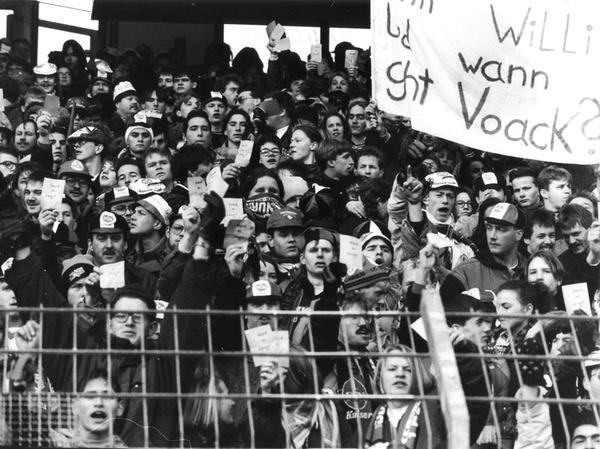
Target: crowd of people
(153, 154)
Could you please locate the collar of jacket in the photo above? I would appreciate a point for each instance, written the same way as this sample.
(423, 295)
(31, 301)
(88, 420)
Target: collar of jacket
(487, 259)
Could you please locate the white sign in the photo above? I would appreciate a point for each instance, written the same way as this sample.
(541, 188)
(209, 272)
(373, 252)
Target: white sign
(244, 153)
(515, 77)
(112, 275)
(351, 253)
(316, 53)
(53, 191)
(216, 183)
(577, 296)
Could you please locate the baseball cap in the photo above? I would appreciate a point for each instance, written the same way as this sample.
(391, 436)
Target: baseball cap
(88, 133)
(122, 90)
(367, 278)
(76, 268)
(261, 292)
(118, 195)
(157, 206)
(317, 233)
(284, 218)
(108, 223)
(505, 214)
(74, 167)
(140, 120)
(488, 180)
(45, 69)
(440, 180)
(374, 232)
(214, 96)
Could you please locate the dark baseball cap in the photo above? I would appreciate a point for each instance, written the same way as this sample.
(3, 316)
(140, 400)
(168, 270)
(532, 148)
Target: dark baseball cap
(488, 180)
(108, 223)
(285, 218)
(263, 292)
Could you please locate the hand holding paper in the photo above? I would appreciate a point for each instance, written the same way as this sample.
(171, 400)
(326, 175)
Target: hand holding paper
(112, 275)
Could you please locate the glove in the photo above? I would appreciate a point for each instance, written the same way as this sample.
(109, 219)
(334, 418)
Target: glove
(211, 216)
(332, 279)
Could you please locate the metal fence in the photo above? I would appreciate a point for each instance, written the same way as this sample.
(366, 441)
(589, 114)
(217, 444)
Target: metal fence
(35, 412)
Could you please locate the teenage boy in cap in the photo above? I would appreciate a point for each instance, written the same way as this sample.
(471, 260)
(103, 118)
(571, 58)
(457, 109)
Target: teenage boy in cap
(45, 77)
(319, 251)
(488, 185)
(138, 137)
(498, 263)
(77, 183)
(89, 143)
(285, 227)
(148, 225)
(74, 274)
(438, 195)
(215, 107)
(120, 201)
(377, 249)
(125, 99)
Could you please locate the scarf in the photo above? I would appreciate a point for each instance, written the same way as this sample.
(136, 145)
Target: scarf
(431, 219)
(405, 434)
(300, 417)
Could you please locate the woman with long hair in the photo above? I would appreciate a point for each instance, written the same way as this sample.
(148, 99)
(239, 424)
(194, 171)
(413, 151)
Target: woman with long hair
(402, 420)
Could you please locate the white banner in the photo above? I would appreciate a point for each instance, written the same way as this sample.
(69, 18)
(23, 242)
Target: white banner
(516, 77)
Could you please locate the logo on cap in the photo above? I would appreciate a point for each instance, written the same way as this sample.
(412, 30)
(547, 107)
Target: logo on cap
(120, 192)
(76, 273)
(499, 211)
(108, 220)
(489, 178)
(261, 288)
(76, 165)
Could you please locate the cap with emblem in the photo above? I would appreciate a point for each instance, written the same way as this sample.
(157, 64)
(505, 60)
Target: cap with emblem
(215, 96)
(284, 218)
(88, 133)
(140, 120)
(367, 278)
(440, 180)
(157, 206)
(147, 186)
(74, 167)
(315, 234)
(108, 223)
(119, 195)
(101, 70)
(45, 69)
(374, 232)
(122, 90)
(505, 214)
(263, 292)
(488, 180)
(76, 268)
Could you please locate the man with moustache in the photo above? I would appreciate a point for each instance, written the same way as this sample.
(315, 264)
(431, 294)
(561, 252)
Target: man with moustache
(108, 243)
(77, 186)
(581, 259)
(125, 99)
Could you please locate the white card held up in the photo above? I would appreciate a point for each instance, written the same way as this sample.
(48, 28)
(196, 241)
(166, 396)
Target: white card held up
(112, 275)
(351, 252)
(576, 296)
(282, 45)
(259, 339)
(350, 58)
(280, 343)
(234, 208)
(216, 183)
(277, 33)
(316, 54)
(1, 100)
(244, 153)
(53, 191)
(197, 188)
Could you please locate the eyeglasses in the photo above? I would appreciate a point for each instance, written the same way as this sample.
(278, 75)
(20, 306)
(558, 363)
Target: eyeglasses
(9, 164)
(72, 181)
(463, 203)
(122, 317)
(267, 152)
(122, 209)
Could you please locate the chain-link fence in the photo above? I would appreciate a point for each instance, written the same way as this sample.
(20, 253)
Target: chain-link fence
(434, 379)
